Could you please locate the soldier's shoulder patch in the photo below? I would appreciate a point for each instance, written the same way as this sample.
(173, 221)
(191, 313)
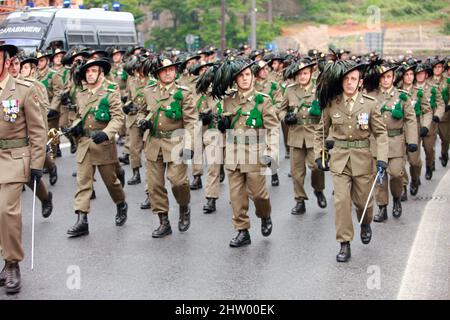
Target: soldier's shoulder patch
(291, 85)
(368, 97)
(182, 87)
(263, 94)
(24, 83)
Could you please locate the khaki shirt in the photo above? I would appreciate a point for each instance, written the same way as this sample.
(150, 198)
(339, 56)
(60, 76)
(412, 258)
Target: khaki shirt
(54, 85)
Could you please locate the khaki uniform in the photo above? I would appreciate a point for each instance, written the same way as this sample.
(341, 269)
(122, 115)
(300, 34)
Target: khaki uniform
(301, 138)
(119, 76)
(22, 147)
(277, 77)
(244, 147)
(351, 162)
(53, 82)
(400, 132)
(164, 143)
(104, 155)
(136, 95)
(424, 119)
(444, 125)
(64, 75)
(212, 146)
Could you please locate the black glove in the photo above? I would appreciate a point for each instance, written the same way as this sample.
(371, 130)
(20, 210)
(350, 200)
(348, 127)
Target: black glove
(412, 147)
(124, 99)
(320, 166)
(127, 107)
(223, 124)
(423, 132)
(266, 160)
(447, 108)
(329, 144)
(52, 114)
(65, 99)
(206, 117)
(36, 174)
(290, 118)
(186, 154)
(144, 124)
(381, 166)
(436, 119)
(99, 137)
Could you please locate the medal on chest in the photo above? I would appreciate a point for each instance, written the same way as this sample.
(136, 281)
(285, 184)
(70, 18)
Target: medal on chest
(10, 110)
(363, 121)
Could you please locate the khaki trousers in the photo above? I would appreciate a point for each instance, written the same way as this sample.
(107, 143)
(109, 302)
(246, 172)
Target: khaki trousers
(242, 187)
(395, 173)
(11, 221)
(85, 180)
(300, 157)
(177, 176)
(348, 189)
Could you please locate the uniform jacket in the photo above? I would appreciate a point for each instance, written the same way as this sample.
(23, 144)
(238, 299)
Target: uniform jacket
(338, 123)
(105, 152)
(16, 162)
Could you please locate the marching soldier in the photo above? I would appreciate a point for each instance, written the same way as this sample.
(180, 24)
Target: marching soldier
(210, 110)
(202, 104)
(55, 88)
(99, 118)
(118, 74)
(272, 89)
(167, 108)
(426, 128)
(22, 152)
(301, 112)
(348, 119)
(400, 120)
(251, 145)
(439, 83)
(27, 66)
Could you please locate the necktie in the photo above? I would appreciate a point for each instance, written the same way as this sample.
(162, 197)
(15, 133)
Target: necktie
(348, 104)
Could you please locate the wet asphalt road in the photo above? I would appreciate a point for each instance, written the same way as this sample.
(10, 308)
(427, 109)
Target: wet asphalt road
(296, 262)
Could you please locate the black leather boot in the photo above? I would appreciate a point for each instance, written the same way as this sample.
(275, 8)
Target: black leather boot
(299, 208)
(414, 187)
(3, 276)
(366, 233)
(266, 226)
(242, 239)
(12, 282)
(210, 205)
(73, 145)
(124, 158)
(47, 206)
(287, 154)
(185, 218)
(146, 204)
(404, 196)
(444, 159)
(397, 208)
(136, 178)
(222, 173)
(381, 215)
(321, 200)
(121, 216)
(196, 183)
(433, 166)
(81, 227)
(275, 180)
(53, 175)
(164, 228)
(428, 173)
(93, 195)
(345, 252)
(74, 174)
(121, 141)
(58, 152)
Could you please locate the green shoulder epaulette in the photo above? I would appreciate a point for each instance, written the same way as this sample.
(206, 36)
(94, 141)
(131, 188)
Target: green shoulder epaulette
(112, 87)
(151, 84)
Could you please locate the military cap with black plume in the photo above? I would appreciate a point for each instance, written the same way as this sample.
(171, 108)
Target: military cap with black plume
(226, 74)
(329, 82)
(206, 79)
(372, 75)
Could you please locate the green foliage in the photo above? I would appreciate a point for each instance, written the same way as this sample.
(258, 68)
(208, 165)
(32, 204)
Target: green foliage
(446, 27)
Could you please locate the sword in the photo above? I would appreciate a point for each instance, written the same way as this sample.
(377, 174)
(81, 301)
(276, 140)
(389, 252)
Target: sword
(32, 225)
(370, 195)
